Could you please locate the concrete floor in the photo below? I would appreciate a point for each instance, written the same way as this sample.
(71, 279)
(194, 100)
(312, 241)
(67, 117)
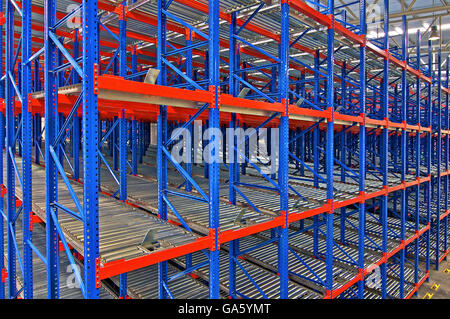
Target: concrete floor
(437, 277)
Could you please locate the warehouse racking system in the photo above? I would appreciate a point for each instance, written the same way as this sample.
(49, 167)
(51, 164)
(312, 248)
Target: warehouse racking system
(361, 185)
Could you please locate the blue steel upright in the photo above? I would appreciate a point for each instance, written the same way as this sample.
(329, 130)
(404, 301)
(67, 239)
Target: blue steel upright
(404, 157)
(283, 169)
(429, 154)
(438, 198)
(330, 152)
(213, 121)
(122, 119)
(27, 258)
(161, 158)
(90, 147)
(362, 147)
(51, 175)
(384, 150)
(3, 271)
(76, 133)
(10, 149)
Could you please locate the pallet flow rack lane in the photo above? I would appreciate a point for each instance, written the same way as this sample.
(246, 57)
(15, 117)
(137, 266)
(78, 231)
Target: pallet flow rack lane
(69, 289)
(137, 288)
(184, 287)
(118, 241)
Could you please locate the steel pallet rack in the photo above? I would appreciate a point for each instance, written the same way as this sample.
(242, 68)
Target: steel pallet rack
(361, 183)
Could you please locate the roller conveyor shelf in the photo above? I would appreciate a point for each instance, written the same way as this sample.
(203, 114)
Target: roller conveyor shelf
(312, 197)
(67, 282)
(122, 227)
(268, 282)
(143, 284)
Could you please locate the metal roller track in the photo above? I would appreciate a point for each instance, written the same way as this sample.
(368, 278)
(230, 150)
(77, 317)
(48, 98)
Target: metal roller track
(392, 284)
(350, 187)
(267, 201)
(135, 184)
(68, 285)
(264, 260)
(195, 213)
(305, 242)
(122, 227)
(143, 284)
(267, 256)
(266, 280)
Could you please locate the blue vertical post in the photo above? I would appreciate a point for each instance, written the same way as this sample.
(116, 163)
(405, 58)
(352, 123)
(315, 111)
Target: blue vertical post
(205, 167)
(123, 158)
(330, 152)
(60, 62)
(123, 286)
(429, 154)
(344, 86)
(10, 124)
(188, 186)
(233, 90)
(60, 149)
(3, 271)
(37, 81)
(213, 121)
(283, 169)
(438, 162)
(273, 83)
(446, 159)
(342, 145)
(142, 140)
(134, 145)
(301, 142)
(27, 258)
(18, 120)
(316, 129)
(114, 138)
(2, 145)
(37, 137)
(51, 125)
(139, 138)
(404, 157)
(362, 146)
(297, 144)
(134, 62)
(233, 165)
(190, 74)
(233, 252)
(161, 138)
(75, 55)
(90, 148)
(418, 158)
(384, 149)
(76, 118)
(315, 148)
(76, 147)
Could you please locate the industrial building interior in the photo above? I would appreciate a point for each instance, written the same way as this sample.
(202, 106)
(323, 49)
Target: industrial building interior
(224, 149)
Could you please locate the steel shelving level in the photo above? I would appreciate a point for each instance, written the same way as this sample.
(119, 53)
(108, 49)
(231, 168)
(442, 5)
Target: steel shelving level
(349, 199)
